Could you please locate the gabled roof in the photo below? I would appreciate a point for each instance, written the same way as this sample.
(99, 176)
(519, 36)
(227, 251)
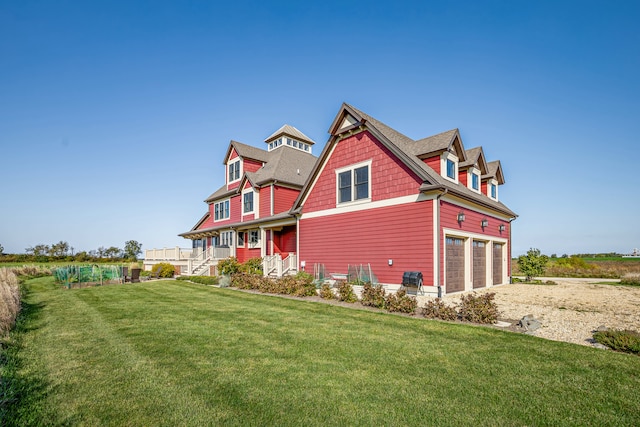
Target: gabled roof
(494, 170)
(246, 152)
(350, 120)
(291, 131)
(475, 156)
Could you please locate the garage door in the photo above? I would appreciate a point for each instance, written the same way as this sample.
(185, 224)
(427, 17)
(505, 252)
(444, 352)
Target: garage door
(479, 264)
(455, 264)
(497, 263)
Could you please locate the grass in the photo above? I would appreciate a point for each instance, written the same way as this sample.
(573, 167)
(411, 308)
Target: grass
(175, 353)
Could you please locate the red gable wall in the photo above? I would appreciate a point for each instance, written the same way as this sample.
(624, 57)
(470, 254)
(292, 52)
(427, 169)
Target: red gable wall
(283, 198)
(389, 176)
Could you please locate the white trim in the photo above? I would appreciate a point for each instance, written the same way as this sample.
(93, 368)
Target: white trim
(470, 173)
(352, 168)
(491, 182)
(240, 172)
(256, 203)
(443, 166)
(436, 242)
(464, 204)
(365, 206)
(214, 210)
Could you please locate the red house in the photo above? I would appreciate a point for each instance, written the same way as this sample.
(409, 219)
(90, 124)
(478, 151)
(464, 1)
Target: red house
(249, 216)
(374, 197)
(377, 197)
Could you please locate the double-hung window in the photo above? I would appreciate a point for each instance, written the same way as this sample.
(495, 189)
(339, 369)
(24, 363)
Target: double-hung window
(354, 183)
(248, 202)
(494, 191)
(234, 171)
(221, 210)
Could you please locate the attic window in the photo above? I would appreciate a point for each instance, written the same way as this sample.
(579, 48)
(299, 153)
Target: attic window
(234, 171)
(451, 169)
(449, 166)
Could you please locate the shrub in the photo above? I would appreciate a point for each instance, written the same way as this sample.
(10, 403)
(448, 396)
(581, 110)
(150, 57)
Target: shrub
(346, 293)
(478, 309)
(630, 281)
(326, 292)
(532, 264)
(437, 309)
(373, 296)
(624, 341)
(400, 302)
(9, 300)
(166, 270)
(252, 266)
(229, 266)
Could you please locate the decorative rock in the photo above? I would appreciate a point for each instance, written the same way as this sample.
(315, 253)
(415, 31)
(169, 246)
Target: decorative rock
(529, 324)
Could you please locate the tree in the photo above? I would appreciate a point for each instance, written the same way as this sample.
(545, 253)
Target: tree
(113, 252)
(38, 250)
(532, 264)
(1, 249)
(59, 249)
(132, 249)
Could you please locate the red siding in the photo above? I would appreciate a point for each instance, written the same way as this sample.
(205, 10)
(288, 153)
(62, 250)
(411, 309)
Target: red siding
(433, 163)
(265, 202)
(484, 185)
(463, 176)
(283, 199)
(471, 224)
(389, 176)
(243, 254)
(207, 223)
(232, 155)
(285, 240)
(250, 165)
(402, 233)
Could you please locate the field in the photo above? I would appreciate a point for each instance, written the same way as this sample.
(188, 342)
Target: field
(172, 353)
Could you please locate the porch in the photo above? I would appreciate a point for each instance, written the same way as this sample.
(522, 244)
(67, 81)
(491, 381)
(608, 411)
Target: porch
(188, 261)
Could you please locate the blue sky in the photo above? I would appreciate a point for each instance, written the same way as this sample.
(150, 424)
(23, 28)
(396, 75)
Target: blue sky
(115, 116)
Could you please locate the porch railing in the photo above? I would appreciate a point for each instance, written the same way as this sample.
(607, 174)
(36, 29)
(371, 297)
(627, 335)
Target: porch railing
(168, 254)
(290, 263)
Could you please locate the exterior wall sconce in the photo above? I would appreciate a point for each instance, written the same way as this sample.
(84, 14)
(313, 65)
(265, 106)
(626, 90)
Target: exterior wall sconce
(501, 228)
(461, 217)
(390, 262)
(484, 223)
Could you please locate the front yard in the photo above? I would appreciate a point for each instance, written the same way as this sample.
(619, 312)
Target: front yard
(172, 353)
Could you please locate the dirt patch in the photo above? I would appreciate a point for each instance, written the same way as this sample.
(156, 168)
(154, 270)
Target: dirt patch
(571, 310)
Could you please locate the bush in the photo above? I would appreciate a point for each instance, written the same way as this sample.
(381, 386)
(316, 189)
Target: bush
(437, 309)
(346, 293)
(623, 341)
(630, 281)
(326, 292)
(229, 266)
(478, 309)
(9, 300)
(203, 280)
(252, 266)
(166, 270)
(373, 296)
(400, 302)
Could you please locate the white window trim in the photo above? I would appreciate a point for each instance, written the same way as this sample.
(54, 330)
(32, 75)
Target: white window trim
(221, 202)
(232, 162)
(258, 243)
(443, 166)
(254, 211)
(489, 183)
(470, 173)
(352, 168)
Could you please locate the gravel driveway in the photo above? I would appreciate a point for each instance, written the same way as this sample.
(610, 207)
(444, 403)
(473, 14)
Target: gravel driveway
(571, 310)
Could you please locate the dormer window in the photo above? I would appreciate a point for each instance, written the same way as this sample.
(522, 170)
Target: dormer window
(234, 171)
(492, 189)
(475, 181)
(449, 165)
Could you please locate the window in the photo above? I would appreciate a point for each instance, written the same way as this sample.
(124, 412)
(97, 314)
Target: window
(221, 210)
(248, 201)
(494, 191)
(451, 169)
(241, 239)
(224, 239)
(353, 184)
(254, 238)
(234, 171)
(475, 181)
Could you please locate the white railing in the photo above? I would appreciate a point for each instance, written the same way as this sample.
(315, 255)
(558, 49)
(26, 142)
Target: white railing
(290, 263)
(271, 264)
(168, 254)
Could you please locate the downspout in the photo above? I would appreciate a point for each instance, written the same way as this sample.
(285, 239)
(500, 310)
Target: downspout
(437, 248)
(510, 249)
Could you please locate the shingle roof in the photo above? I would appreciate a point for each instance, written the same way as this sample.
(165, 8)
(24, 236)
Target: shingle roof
(494, 170)
(407, 150)
(292, 132)
(247, 152)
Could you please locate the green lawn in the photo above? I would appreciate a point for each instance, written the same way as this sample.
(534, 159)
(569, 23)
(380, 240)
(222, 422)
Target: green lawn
(173, 353)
